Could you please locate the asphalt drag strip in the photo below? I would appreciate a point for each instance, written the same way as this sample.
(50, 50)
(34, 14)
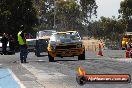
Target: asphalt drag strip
(62, 74)
(9, 80)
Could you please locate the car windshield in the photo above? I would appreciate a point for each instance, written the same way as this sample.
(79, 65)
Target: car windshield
(74, 33)
(60, 36)
(44, 33)
(128, 36)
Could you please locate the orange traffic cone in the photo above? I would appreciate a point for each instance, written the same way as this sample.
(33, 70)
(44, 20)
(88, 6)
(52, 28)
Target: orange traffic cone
(100, 51)
(128, 51)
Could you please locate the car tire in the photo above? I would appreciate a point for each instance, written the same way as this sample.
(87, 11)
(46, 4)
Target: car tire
(130, 54)
(37, 53)
(123, 48)
(82, 56)
(51, 59)
(81, 80)
(37, 49)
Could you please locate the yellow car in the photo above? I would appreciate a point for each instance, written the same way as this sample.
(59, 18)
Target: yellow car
(126, 40)
(65, 44)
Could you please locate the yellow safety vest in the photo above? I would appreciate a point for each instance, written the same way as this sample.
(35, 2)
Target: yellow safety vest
(20, 40)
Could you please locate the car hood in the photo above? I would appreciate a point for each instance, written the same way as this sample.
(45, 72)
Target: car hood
(65, 41)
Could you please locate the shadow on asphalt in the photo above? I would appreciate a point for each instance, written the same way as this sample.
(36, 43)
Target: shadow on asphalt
(87, 59)
(93, 59)
(42, 56)
(65, 60)
(37, 61)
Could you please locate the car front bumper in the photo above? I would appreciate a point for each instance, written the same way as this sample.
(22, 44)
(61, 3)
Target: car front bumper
(66, 52)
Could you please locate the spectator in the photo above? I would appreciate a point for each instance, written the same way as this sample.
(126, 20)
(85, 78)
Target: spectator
(4, 41)
(12, 44)
(23, 47)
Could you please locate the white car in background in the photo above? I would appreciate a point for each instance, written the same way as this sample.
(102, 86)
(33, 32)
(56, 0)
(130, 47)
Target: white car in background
(31, 44)
(1, 45)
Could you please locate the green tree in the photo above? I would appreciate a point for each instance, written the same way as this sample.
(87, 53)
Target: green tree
(4, 15)
(46, 13)
(69, 14)
(126, 12)
(88, 9)
(18, 13)
(108, 28)
(126, 9)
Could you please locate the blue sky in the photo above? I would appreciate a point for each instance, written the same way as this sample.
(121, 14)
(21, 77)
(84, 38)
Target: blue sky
(108, 8)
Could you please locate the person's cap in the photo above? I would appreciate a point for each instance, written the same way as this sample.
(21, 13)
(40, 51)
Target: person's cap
(21, 28)
(4, 33)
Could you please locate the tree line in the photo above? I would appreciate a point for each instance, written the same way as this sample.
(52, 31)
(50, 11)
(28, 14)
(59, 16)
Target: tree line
(113, 28)
(39, 14)
(15, 14)
(60, 15)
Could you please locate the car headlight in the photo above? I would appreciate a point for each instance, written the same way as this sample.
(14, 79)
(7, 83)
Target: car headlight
(130, 43)
(53, 47)
(79, 45)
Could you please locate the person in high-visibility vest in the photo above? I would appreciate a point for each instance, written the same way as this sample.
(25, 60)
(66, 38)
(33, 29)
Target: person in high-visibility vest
(23, 47)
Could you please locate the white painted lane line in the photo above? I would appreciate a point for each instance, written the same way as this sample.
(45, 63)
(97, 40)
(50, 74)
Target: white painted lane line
(46, 73)
(17, 80)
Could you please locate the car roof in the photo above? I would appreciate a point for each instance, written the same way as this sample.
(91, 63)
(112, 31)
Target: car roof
(60, 32)
(128, 33)
(47, 31)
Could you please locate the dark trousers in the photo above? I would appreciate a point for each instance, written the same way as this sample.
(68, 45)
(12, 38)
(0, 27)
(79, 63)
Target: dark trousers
(23, 54)
(4, 46)
(12, 47)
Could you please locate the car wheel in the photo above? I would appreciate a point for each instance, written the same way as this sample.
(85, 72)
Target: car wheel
(37, 53)
(82, 56)
(51, 59)
(37, 49)
(130, 54)
(123, 48)
(81, 80)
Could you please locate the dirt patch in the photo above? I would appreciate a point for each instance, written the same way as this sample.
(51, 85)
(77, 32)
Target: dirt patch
(92, 44)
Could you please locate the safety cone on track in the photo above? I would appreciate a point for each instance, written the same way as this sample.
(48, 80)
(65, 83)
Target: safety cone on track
(128, 51)
(100, 50)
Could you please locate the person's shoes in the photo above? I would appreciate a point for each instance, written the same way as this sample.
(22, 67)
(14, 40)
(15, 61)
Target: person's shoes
(26, 62)
(5, 54)
(21, 61)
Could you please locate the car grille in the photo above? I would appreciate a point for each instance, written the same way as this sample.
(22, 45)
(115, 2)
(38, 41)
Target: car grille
(66, 47)
(130, 44)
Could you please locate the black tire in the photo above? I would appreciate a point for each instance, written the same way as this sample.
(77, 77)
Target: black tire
(51, 59)
(130, 54)
(37, 53)
(37, 50)
(123, 48)
(82, 56)
(81, 80)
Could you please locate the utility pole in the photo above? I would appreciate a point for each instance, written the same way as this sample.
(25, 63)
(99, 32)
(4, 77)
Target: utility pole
(55, 16)
(55, 8)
